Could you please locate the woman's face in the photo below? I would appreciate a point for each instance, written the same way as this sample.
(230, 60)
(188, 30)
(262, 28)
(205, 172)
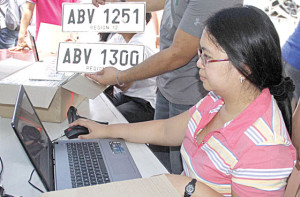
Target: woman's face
(219, 76)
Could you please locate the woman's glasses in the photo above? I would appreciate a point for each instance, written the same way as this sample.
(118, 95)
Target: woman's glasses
(204, 58)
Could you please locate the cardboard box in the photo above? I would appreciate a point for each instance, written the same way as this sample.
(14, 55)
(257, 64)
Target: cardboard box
(51, 99)
(144, 187)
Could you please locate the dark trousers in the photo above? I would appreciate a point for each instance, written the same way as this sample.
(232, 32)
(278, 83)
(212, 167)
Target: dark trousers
(132, 108)
(8, 38)
(170, 157)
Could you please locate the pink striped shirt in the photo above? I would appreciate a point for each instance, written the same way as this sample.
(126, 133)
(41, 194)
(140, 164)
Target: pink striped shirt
(251, 155)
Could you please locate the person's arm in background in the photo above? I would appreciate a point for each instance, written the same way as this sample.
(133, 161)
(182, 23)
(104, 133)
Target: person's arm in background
(152, 5)
(156, 28)
(296, 133)
(182, 50)
(25, 21)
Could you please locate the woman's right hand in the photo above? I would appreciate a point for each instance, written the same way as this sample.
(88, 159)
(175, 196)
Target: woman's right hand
(96, 130)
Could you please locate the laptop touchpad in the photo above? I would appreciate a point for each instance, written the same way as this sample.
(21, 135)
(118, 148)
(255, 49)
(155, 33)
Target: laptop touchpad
(119, 161)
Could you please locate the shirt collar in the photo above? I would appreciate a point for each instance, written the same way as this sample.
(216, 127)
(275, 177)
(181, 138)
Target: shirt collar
(248, 117)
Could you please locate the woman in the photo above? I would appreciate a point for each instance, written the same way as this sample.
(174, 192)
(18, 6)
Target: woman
(234, 141)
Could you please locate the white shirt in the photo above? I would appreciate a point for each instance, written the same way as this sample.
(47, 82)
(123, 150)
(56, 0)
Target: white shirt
(145, 89)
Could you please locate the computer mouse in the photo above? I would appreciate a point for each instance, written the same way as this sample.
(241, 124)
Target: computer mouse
(75, 131)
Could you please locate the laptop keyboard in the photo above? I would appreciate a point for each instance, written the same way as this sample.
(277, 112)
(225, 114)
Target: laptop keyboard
(86, 164)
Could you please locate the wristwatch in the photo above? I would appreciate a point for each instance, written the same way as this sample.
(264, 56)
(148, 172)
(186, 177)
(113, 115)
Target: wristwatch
(190, 188)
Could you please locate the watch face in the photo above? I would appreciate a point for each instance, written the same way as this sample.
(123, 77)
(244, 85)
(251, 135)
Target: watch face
(190, 188)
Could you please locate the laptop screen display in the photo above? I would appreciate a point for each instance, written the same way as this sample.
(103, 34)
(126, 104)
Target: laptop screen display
(34, 138)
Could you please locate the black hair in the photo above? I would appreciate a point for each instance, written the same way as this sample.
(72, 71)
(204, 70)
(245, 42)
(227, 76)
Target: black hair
(148, 17)
(103, 36)
(252, 44)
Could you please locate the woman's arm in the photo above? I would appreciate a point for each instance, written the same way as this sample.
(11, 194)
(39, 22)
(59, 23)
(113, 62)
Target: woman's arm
(152, 5)
(156, 28)
(180, 182)
(168, 132)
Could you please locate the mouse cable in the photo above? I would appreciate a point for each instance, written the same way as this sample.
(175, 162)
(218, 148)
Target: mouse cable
(1, 162)
(1, 188)
(35, 187)
(2, 194)
(58, 138)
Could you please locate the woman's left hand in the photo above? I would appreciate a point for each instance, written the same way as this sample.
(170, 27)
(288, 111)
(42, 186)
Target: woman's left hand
(179, 182)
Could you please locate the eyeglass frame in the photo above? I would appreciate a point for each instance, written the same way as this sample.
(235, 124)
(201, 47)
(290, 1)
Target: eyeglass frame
(205, 61)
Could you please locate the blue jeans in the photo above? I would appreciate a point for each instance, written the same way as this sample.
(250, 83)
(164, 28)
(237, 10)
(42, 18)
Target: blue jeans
(8, 38)
(169, 156)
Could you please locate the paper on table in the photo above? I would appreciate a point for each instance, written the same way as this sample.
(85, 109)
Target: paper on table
(11, 65)
(23, 77)
(145, 187)
(49, 37)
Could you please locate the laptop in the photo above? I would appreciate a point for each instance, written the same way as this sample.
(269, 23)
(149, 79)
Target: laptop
(107, 160)
(45, 70)
(33, 47)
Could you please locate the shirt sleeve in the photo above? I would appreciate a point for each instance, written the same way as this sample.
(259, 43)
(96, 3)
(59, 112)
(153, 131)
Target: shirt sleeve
(31, 1)
(197, 13)
(192, 20)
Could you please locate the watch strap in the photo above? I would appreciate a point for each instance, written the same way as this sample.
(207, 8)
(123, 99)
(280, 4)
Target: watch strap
(190, 188)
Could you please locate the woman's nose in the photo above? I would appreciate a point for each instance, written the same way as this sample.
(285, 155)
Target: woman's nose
(200, 64)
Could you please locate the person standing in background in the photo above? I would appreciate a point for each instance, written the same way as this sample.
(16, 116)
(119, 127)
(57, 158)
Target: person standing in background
(49, 11)
(10, 25)
(155, 28)
(291, 57)
(179, 87)
(296, 133)
(136, 100)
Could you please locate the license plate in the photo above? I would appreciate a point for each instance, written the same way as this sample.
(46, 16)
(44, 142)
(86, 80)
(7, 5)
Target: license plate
(93, 57)
(111, 17)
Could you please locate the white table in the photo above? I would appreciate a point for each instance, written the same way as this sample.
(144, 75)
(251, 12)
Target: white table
(17, 166)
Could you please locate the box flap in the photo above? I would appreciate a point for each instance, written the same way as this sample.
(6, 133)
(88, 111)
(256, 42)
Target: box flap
(9, 93)
(35, 94)
(84, 86)
(36, 89)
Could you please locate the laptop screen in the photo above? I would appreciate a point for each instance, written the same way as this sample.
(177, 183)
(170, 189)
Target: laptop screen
(34, 139)
(34, 47)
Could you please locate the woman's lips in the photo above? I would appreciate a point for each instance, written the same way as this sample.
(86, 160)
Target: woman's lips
(201, 77)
